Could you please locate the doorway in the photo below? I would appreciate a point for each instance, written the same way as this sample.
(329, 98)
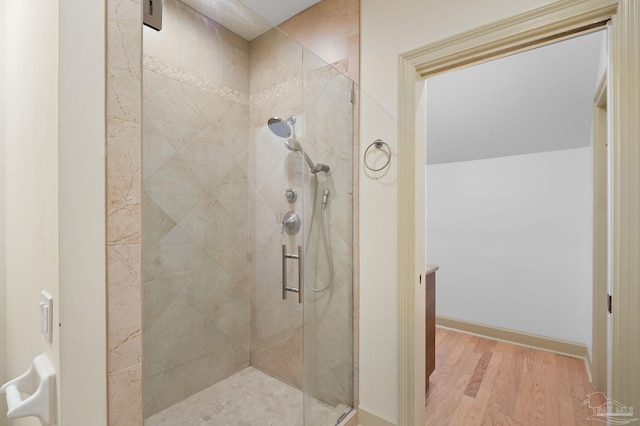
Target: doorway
(509, 193)
(538, 27)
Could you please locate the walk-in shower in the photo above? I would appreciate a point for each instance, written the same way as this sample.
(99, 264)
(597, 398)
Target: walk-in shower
(221, 346)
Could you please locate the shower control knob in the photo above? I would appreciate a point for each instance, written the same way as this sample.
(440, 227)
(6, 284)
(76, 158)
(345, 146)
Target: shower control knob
(291, 195)
(291, 223)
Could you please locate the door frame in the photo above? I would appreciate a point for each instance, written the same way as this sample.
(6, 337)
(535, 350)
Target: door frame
(598, 361)
(554, 22)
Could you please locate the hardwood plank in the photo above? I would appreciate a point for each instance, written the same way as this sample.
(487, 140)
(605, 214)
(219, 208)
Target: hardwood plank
(478, 374)
(477, 412)
(480, 381)
(559, 389)
(530, 399)
(504, 392)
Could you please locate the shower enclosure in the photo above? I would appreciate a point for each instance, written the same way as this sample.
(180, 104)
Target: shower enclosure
(221, 193)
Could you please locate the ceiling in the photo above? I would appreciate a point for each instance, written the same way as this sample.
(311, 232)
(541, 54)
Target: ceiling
(278, 11)
(249, 18)
(536, 101)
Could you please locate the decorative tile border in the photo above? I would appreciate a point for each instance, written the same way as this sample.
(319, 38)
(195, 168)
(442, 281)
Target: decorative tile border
(168, 70)
(311, 77)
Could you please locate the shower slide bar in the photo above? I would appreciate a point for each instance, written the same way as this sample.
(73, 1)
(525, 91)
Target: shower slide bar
(285, 287)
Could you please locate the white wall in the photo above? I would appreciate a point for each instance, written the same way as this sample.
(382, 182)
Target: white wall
(31, 142)
(83, 341)
(387, 30)
(513, 239)
(3, 335)
(54, 236)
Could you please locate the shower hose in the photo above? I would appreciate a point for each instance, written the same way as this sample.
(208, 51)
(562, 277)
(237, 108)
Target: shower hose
(325, 234)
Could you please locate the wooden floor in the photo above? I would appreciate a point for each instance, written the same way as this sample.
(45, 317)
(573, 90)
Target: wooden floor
(484, 382)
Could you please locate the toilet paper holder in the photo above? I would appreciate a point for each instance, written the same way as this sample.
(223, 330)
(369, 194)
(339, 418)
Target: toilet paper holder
(39, 383)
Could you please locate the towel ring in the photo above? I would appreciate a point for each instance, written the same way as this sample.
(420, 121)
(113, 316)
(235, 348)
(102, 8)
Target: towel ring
(378, 143)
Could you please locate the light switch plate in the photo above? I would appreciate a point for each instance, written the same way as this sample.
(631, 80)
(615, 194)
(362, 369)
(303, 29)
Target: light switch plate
(46, 316)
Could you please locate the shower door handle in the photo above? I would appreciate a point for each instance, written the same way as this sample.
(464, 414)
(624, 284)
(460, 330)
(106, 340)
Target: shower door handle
(299, 258)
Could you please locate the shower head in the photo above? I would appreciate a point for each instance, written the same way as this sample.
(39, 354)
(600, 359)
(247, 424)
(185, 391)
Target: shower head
(283, 128)
(286, 130)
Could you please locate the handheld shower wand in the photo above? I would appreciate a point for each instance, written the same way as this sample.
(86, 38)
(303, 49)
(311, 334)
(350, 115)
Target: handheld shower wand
(325, 198)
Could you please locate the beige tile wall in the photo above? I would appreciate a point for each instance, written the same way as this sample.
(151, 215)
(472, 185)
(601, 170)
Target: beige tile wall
(331, 30)
(195, 132)
(124, 192)
(124, 307)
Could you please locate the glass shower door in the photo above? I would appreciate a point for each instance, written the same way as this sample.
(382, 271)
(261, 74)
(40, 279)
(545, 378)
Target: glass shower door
(328, 299)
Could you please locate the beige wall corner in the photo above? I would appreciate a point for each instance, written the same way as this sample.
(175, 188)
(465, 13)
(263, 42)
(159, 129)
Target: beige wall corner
(81, 132)
(365, 418)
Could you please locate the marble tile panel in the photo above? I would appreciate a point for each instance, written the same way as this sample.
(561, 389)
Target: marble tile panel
(282, 359)
(125, 397)
(159, 294)
(176, 255)
(174, 113)
(124, 182)
(274, 316)
(155, 225)
(213, 327)
(330, 40)
(156, 149)
(177, 349)
(124, 41)
(275, 59)
(236, 57)
(152, 81)
(213, 227)
(175, 188)
(322, 29)
(124, 306)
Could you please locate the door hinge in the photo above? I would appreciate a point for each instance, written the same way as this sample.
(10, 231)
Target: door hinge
(609, 303)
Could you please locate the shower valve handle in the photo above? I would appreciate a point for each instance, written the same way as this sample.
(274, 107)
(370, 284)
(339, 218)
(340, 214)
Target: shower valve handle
(291, 223)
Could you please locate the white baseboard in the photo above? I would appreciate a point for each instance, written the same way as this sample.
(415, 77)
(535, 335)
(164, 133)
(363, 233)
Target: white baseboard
(549, 344)
(589, 367)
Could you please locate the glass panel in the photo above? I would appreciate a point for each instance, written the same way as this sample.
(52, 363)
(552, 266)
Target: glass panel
(276, 324)
(328, 310)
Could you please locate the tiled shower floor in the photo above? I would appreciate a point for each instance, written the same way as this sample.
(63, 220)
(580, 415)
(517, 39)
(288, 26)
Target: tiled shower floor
(248, 398)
